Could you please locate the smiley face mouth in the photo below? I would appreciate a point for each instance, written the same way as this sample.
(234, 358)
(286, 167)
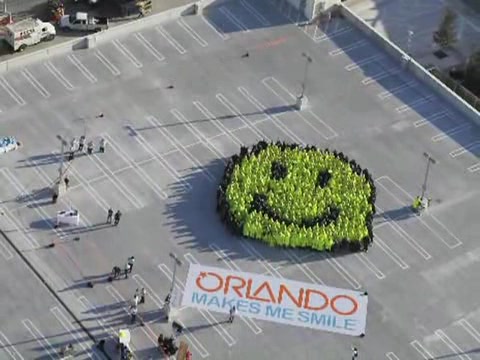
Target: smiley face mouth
(260, 204)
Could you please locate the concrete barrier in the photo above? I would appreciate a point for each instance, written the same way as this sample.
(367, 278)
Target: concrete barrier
(412, 66)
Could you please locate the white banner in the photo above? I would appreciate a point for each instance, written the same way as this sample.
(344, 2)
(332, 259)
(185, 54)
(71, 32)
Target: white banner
(278, 300)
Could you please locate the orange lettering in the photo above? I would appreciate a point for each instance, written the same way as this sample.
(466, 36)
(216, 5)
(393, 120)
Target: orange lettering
(284, 289)
(309, 292)
(346, 313)
(259, 289)
(235, 288)
(203, 275)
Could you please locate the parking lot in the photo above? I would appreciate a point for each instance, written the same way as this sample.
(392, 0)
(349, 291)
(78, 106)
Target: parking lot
(178, 99)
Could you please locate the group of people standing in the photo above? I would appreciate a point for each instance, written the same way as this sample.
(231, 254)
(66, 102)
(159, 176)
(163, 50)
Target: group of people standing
(79, 145)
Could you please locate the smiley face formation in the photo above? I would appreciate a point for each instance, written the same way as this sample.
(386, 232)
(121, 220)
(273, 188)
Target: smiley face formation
(290, 196)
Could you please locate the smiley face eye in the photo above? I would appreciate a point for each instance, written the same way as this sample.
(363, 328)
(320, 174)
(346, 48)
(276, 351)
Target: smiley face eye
(279, 171)
(323, 178)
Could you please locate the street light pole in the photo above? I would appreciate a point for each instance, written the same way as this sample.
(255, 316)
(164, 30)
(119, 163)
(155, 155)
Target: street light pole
(409, 41)
(305, 74)
(62, 156)
(432, 161)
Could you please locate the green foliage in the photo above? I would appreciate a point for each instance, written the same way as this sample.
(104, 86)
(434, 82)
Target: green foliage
(323, 202)
(446, 35)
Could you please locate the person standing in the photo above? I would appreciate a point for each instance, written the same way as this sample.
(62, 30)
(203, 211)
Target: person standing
(133, 313)
(81, 143)
(90, 147)
(126, 270)
(67, 182)
(118, 215)
(109, 216)
(143, 292)
(102, 145)
(233, 311)
(136, 298)
(130, 262)
(354, 353)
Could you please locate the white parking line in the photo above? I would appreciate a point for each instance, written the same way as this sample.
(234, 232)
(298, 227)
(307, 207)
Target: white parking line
(127, 53)
(11, 91)
(256, 14)
(234, 19)
(108, 64)
(5, 251)
(414, 104)
(222, 35)
(391, 356)
(190, 31)
(62, 319)
(150, 334)
(332, 35)
(463, 149)
(8, 347)
(198, 134)
(150, 48)
(309, 273)
(158, 126)
(160, 304)
(395, 90)
(347, 48)
(140, 172)
(207, 315)
(390, 253)
(40, 338)
(330, 133)
(453, 131)
(382, 75)
(459, 353)
(35, 83)
(58, 75)
(218, 124)
(171, 40)
(364, 61)
(78, 64)
(160, 158)
(255, 255)
(432, 118)
(370, 265)
(474, 168)
(342, 271)
(421, 350)
(232, 266)
(470, 329)
(262, 108)
(30, 240)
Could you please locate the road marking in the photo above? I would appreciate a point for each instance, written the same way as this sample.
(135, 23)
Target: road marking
(30, 240)
(422, 220)
(140, 172)
(414, 104)
(256, 14)
(8, 347)
(160, 304)
(103, 59)
(78, 64)
(424, 352)
(40, 338)
(234, 19)
(188, 29)
(127, 53)
(470, 329)
(150, 334)
(474, 168)
(58, 75)
(432, 118)
(12, 92)
(5, 251)
(445, 134)
(218, 124)
(262, 108)
(371, 266)
(160, 158)
(382, 75)
(463, 149)
(452, 345)
(62, 319)
(364, 61)
(150, 48)
(332, 35)
(215, 29)
(171, 40)
(309, 273)
(347, 48)
(391, 356)
(35, 83)
(391, 254)
(158, 125)
(395, 90)
(255, 254)
(207, 315)
(341, 270)
(330, 132)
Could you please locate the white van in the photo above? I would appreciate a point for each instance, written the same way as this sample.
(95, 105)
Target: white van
(28, 32)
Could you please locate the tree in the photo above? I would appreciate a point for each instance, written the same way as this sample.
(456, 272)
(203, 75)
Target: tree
(472, 73)
(446, 35)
